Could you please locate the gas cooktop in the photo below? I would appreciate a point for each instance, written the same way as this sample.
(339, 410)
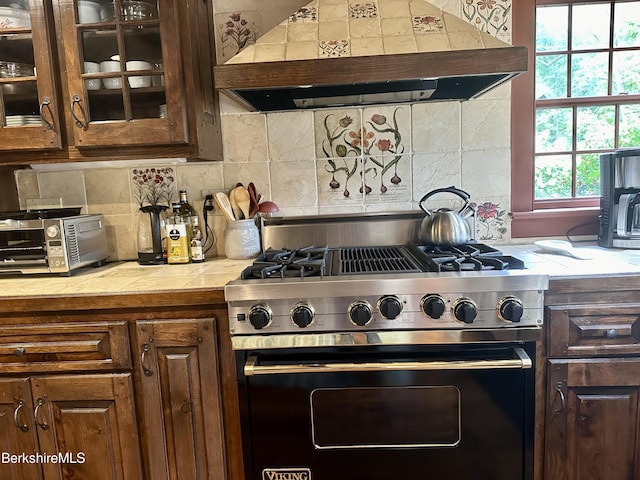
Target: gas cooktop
(320, 261)
(318, 293)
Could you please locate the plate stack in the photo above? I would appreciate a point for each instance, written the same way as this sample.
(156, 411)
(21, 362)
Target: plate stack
(163, 110)
(21, 120)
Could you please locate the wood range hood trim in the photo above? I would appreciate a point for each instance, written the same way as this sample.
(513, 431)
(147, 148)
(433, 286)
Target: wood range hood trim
(459, 75)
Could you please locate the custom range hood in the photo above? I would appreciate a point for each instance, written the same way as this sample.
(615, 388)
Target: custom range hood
(336, 52)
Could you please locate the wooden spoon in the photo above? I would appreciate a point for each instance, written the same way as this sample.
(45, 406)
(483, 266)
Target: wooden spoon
(223, 203)
(234, 203)
(243, 200)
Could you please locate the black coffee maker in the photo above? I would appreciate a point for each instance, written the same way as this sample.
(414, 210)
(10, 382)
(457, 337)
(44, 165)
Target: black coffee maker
(150, 227)
(620, 199)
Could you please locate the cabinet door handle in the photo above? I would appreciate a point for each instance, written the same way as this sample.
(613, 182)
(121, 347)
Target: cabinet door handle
(143, 358)
(79, 123)
(563, 401)
(46, 102)
(42, 425)
(23, 427)
(611, 333)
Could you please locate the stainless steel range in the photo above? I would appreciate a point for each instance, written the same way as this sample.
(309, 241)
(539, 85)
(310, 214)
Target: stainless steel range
(384, 357)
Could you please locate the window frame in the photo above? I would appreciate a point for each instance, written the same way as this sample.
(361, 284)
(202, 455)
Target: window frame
(530, 217)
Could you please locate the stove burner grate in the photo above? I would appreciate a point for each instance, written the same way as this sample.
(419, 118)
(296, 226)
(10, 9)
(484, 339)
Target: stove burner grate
(467, 257)
(375, 260)
(300, 262)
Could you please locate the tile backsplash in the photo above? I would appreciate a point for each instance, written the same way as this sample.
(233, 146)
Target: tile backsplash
(325, 161)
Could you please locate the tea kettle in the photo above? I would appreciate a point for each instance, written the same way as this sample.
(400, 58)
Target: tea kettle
(445, 226)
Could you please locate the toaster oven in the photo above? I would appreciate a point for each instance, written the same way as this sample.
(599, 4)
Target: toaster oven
(30, 244)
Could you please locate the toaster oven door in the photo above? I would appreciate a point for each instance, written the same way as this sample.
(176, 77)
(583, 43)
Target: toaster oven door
(22, 249)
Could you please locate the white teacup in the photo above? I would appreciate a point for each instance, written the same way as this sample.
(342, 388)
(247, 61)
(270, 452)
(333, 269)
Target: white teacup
(94, 83)
(139, 81)
(111, 66)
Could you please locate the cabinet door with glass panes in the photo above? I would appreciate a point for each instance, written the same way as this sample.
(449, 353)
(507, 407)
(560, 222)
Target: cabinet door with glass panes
(29, 118)
(123, 72)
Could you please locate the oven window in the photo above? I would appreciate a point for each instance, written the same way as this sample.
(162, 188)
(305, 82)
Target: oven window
(385, 417)
(17, 245)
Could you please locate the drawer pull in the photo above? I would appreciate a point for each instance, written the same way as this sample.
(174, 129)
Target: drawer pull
(20, 351)
(563, 401)
(42, 425)
(147, 371)
(611, 333)
(23, 427)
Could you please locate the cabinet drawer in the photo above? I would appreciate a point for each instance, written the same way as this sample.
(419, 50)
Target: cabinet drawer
(65, 347)
(593, 330)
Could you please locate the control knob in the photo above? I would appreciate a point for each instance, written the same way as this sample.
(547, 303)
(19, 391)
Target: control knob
(360, 313)
(260, 316)
(465, 310)
(510, 309)
(433, 305)
(302, 314)
(389, 307)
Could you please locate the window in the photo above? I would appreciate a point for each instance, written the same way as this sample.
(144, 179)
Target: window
(580, 98)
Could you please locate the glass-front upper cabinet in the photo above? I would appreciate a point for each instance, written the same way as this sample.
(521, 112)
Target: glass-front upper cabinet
(29, 119)
(123, 72)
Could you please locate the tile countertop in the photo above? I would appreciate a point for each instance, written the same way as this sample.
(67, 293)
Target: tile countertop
(603, 261)
(129, 277)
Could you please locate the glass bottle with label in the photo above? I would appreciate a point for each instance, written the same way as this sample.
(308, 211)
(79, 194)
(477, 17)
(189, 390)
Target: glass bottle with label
(197, 250)
(177, 237)
(186, 210)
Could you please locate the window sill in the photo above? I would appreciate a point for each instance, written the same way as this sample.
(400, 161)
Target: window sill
(555, 222)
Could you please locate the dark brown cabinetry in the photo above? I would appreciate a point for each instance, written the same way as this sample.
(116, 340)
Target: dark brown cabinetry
(592, 400)
(87, 420)
(143, 385)
(182, 399)
(109, 82)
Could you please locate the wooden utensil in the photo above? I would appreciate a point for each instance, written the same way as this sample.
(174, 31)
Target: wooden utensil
(223, 203)
(234, 203)
(243, 200)
(253, 199)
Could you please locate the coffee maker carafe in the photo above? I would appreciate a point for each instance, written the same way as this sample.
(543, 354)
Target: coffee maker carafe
(620, 199)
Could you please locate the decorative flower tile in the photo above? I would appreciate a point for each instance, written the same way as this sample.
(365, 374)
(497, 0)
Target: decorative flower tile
(337, 133)
(340, 181)
(492, 221)
(427, 24)
(305, 15)
(153, 185)
(491, 16)
(387, 178)
(334, 48)
(363, 10)
(236, 31)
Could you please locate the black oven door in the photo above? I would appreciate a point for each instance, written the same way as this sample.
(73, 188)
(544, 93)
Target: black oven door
(380, 413)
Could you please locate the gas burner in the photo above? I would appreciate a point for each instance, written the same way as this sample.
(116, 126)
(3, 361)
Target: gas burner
(300, 262)
(467, 257)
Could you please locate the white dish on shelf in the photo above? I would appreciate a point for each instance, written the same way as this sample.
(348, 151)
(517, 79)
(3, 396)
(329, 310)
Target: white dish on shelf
(88, 12)
(14, 18)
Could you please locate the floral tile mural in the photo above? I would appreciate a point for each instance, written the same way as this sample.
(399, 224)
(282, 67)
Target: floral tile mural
(236, 30)
(372, 160)
(491, 16)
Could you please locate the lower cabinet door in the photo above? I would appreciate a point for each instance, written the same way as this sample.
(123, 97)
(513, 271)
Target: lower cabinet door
(593, 419)
(89, 423)
(182, 414)
(18, 440)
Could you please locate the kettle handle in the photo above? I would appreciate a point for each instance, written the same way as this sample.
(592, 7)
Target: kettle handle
(452, 189)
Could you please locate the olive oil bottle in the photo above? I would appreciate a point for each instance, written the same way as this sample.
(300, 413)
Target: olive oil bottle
(178, 230)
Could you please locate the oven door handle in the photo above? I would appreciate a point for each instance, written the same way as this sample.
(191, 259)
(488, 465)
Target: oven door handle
(521, 361)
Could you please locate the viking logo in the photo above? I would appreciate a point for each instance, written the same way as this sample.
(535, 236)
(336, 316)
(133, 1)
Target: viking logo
(286, 474)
